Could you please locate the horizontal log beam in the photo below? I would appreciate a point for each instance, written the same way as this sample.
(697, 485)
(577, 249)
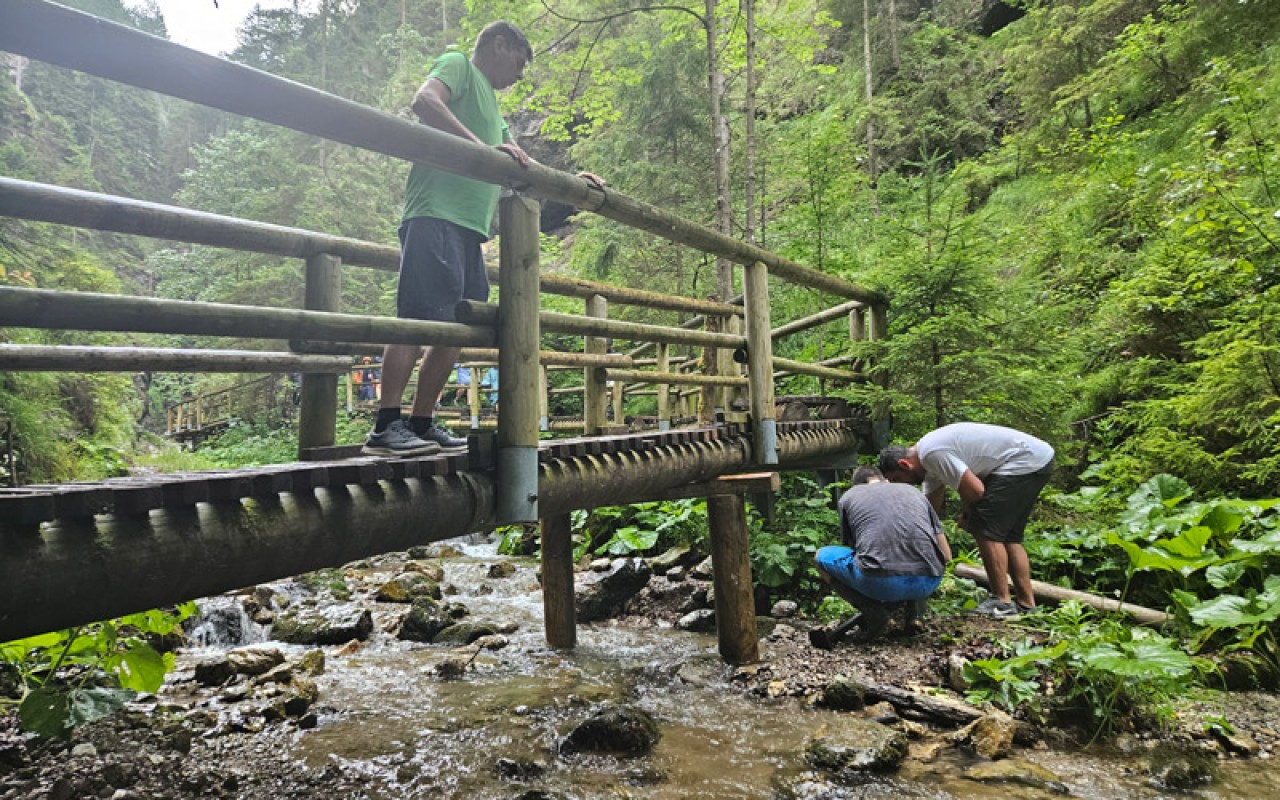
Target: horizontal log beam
(674, 378)
(87, 311)
(40, 358)
(473, 313)
(73, 39)
(487, 355)
(1059, 594)
(805, 323)
(787, 366)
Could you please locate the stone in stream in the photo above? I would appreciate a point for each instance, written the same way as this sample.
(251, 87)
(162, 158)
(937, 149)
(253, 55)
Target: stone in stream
(1018, 772)
(618, 729)
(427, 618)
(408, 587)
(853, 743)
(464, 633)
(214, 671)
(255, 659)
(990, 736)
(602, 595)
(331, 625)
(701, 621)
(1178, 769)
(843, 694)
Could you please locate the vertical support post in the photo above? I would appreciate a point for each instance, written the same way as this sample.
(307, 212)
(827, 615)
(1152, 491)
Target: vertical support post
(731, 576)
(764, 425)
(857, 325)
(664, 389)
(594, 395)
(318, 412)
(473, 397)
(544, 399)
(558, 613)
(519, 338)
(616, 398)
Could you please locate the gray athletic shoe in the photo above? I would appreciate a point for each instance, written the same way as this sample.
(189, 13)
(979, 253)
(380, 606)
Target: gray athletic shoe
(442, 436)
(398, 440)
(994, 607)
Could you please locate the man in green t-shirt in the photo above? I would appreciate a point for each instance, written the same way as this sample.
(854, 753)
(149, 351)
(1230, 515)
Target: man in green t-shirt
(446, 218)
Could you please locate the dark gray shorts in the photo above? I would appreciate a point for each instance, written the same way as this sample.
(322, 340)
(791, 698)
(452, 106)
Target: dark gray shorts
(1002, 513)
(440, 264)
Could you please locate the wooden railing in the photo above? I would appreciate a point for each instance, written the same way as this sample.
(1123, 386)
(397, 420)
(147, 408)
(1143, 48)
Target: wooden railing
(717, 344)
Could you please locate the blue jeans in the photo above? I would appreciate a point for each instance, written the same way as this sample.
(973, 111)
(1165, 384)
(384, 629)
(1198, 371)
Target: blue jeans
(838, 562)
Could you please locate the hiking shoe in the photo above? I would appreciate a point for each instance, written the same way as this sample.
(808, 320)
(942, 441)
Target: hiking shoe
(1026, 609)
(997, 608)
(397, 440)
(821, 639)
(441, 436)
(871, 625)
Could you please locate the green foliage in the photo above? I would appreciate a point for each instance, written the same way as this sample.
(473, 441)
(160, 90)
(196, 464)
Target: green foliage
(782, 554)
(641, 528)
(76, 676)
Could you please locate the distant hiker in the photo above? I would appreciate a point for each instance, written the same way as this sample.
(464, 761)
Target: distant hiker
(998, 473)
(894, 551)
(463, 379)
(446, 218)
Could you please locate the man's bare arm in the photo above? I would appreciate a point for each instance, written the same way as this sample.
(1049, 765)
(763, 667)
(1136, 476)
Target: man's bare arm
(431, 104)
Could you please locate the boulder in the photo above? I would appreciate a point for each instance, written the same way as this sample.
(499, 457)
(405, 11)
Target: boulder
(618, 729)
(425, 620)
(681, 556)
(407, 587)
(1177, 769)
(1018, 772)
(601, 595)
(214, 671)
(990, 736)
(464, 633)
(502, 569)
(843, 694)
(854, 743)
(255, 659)
(330, 625)
(703, 620)
(784, 609)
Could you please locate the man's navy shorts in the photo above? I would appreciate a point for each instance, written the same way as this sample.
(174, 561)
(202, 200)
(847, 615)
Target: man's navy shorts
(1005, 506)
(440, 264)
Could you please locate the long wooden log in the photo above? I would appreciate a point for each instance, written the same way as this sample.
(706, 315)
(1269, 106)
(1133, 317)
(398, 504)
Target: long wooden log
(68, 358)
(1058, 594)
(41, 308)
(805, 323)
(80, 41)
(474, 313)
(786, 366)
(679, 378)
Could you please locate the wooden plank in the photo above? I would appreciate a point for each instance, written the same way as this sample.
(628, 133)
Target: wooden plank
(330, 453)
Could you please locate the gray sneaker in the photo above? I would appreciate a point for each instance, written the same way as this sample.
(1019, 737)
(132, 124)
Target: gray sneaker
(994, 607)
(398, 440)
(443, 437)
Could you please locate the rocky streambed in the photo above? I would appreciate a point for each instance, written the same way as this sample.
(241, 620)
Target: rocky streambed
(425, 675)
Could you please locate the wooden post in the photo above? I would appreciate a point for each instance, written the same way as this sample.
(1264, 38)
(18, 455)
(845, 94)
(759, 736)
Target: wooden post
(473, 396)
(857, 324)
(731, 576)
(664, 389)
(544, 399)
(594, 395)
(318, 412)
(519, 338)
(616, 398)
(764, 426)
(558, 613)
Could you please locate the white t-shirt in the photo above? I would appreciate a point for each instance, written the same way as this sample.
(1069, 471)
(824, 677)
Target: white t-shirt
(986, 450)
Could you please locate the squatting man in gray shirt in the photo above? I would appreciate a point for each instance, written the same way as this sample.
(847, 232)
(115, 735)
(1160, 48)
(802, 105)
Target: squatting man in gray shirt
(893, 552)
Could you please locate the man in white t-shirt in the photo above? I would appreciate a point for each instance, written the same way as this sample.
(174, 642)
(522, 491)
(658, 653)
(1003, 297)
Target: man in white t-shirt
(998, 473)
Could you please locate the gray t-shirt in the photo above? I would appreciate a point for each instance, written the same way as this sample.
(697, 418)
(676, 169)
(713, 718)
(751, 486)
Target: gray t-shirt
(985, 450)
(892, 530)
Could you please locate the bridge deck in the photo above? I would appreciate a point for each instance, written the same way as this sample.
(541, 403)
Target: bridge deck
(30, 505)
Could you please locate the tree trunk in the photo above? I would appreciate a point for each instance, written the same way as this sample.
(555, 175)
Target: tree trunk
(720, 147)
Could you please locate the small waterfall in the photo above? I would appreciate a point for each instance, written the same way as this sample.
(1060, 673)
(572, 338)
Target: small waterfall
(223, 622)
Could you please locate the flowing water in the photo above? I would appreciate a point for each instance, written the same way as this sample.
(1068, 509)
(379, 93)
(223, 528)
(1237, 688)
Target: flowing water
(385, 713)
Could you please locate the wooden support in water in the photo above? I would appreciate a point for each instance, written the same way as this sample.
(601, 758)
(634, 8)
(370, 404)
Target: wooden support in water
(518, 339)
(731, 576)
(1058, 594)
(317, 412)
(558, 612)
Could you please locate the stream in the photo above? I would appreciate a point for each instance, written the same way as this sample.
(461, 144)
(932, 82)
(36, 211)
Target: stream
(386, 715)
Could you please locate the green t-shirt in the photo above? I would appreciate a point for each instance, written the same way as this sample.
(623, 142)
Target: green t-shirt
(431, 192)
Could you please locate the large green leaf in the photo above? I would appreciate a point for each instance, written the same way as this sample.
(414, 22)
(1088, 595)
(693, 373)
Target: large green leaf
(1234, 611)
(45, 711)
(87, 705)
(141, 668)
(1141, 658)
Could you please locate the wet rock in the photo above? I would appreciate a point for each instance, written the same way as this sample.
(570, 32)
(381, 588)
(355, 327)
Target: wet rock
(522, 769)
(331, 625)
(676, 574)
(805, 786)
(312, 662)
(599, 565)
(664, 599)
(431, 569)
(84, 750)
(990, 736)
(927, 752)
(1178, 769)
(452, 667)
(303, 692)
(214, 671)
(616, 729)
(601, 595)
(255, 659)
(843, 694)
(1018, 772)
(701, 621)
(464, 633)
(784, 609)
(955, 673)
(427, 618)
(408, 587)
(702, 570)
(502, 569)
(680, 556)
(492, 642)
(1241, 744)
(882, 713)
(853, 743)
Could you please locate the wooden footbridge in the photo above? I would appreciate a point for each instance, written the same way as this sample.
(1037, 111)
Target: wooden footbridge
(74, 553)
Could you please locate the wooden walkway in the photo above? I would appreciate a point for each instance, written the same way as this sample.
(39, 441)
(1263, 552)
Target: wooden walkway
(327, 467)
